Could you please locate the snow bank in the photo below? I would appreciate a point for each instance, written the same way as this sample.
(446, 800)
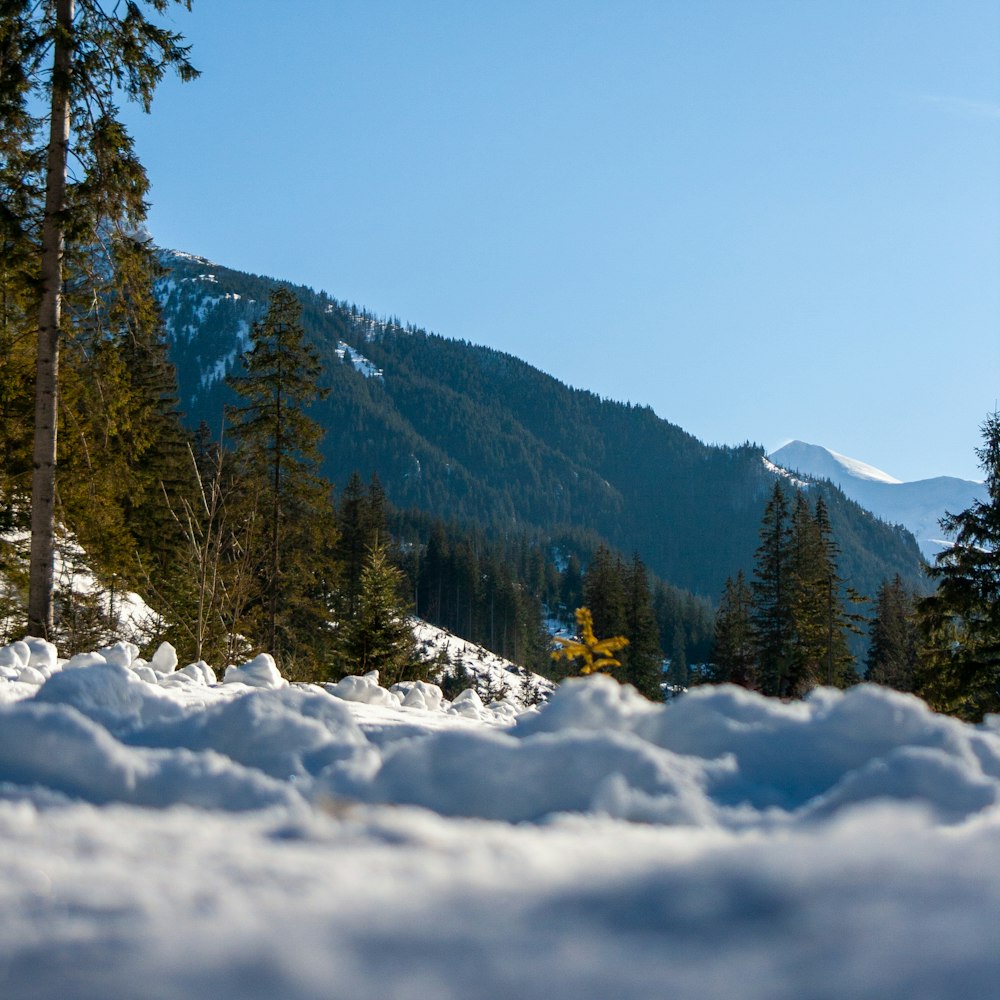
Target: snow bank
(250, 840)
(721, 757)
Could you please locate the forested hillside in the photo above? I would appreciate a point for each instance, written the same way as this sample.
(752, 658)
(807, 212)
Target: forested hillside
(476, 436)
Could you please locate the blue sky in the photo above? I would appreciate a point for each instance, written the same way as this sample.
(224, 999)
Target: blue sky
(767, 220)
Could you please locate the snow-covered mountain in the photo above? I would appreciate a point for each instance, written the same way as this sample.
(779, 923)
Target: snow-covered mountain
(466, 433)
(917, 505)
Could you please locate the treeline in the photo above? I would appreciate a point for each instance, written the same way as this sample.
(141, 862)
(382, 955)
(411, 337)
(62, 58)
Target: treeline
(506, 591)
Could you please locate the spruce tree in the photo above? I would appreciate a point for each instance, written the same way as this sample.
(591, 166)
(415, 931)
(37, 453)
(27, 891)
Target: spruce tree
(960, 622)
(772, 597)
(820, 620)
(352, 543)
(571, 586)
(277, 443)
(837, 664)
(734, 658)
(378, 635)
(807, 590)
(892, 649)
(604, 592)
(642, 659)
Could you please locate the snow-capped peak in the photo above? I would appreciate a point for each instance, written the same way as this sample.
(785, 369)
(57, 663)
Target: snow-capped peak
(918, 506)
(822, 463)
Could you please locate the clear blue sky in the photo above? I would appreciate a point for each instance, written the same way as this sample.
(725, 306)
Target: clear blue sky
(768, 220)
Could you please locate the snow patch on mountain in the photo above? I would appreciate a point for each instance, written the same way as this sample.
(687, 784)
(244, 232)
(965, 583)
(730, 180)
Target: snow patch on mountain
(361, 364)
(798, 483)
(181, 255)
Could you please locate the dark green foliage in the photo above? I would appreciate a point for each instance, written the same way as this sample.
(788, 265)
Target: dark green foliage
(72, 185)
(276, 446)
(122, 450)
(735, 659)
(604, 593)
(892, 651)
(797, 610)
(642, 659)
(361, 526)
(820, 621)
(960, 622)
(686, 624)
(378, 636)
(474, 586)
(772, 597)
(619, 598)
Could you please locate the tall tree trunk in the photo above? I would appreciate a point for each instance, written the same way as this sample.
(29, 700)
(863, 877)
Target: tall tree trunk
(43, 482)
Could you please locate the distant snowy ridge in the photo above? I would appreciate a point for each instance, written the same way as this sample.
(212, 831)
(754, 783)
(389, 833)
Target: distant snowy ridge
(918, 506)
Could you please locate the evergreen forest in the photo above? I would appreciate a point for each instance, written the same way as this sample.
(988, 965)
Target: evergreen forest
(272, 468)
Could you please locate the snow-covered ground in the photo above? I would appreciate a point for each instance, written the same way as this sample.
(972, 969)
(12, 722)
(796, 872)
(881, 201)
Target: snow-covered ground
(165, 837)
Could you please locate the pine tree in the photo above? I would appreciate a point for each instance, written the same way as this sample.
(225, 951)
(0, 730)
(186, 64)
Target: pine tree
(960, 622)
(94, 54)
(820, 621)
(807, 590)
(378, 635)
(124, 456)
(892, 650)
(797, 610)
(735, 660)
(571, 585)
(277, 443)
(772, 597)
(642, 659)
(604, 592)
(352, 542)
(838, 667)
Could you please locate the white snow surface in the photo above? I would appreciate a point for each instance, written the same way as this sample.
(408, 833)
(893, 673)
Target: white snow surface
(862, 470)
(166, 836)
(818, 461)
(361, 364)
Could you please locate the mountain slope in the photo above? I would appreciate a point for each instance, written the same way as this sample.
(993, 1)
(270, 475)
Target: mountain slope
(917, 505)
(469, 433)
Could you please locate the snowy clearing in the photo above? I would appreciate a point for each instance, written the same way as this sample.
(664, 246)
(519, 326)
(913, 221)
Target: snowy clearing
(165, 836)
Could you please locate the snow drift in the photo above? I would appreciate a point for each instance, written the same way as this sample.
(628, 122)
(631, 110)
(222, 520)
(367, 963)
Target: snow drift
(175, 838)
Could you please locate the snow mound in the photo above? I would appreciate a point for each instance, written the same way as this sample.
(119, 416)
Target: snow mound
(368, 843)
(364, 688)
(260, 672)
(719, 758)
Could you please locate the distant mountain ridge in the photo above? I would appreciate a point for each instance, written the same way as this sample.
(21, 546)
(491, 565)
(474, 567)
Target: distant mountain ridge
(471, 434)
(918, 505)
